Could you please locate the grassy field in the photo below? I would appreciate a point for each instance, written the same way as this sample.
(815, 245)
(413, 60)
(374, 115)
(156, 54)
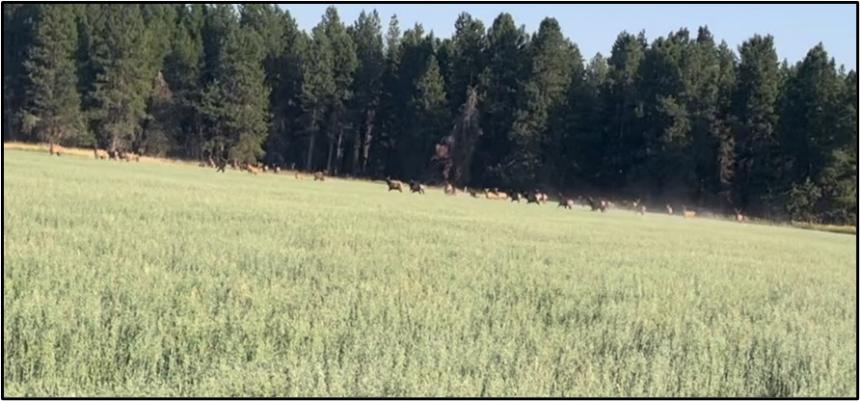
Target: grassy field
(155, 279)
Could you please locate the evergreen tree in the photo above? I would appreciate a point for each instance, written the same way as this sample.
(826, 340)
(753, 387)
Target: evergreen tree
(318, 88)
(237, 100)
(345, 63)
(121, 85)
(622, 145)
(367, 87)
(52, 101)
(754, 108)
(183, 66)
(283, 143)
(18, 29)
(553, 59)
(431, 119)
(455, 151)
(501, 84)
(467, 58)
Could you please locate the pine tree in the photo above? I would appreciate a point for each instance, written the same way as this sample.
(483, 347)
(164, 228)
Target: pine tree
(318, 88)
(239, 97)
(121, 85)
(501, 83)
(428, 106)
(52, 101)
(467, 59)
(367, 87)
(183, 66)
(283, 143)
(345, 63)
(754, 108)
(18, 30)
(622, 145)
(553, 59)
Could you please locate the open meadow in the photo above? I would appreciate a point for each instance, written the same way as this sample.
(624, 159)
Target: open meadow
(157, 279)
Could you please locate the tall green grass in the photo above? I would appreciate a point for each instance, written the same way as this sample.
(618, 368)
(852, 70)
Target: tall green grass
(157, 280)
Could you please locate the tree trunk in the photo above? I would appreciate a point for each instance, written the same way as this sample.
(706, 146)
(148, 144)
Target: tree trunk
(339, 157)
(368, 138)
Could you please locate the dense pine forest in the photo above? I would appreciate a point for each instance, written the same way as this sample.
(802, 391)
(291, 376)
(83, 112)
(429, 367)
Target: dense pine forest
(678, 118)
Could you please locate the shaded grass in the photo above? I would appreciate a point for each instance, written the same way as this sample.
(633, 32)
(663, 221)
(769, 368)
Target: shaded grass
(158, 280)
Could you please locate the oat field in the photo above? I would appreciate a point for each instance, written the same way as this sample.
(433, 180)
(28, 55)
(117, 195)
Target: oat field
(155, 279)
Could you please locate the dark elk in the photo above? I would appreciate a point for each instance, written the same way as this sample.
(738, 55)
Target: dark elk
(414, 186)
(516, 197)
(534, 197)
(319, 176)
(564, 202)
(394, 185)
(597, 205)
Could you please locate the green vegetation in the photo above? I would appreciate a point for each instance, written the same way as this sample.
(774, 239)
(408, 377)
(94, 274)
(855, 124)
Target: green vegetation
(153, 279)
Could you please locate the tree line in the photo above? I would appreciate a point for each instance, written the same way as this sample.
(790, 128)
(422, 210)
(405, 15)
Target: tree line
(681, 117)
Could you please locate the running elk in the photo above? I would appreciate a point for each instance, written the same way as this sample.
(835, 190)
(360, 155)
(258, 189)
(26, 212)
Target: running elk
(688, 214)
(669, 209)
(566, 203)
(394, 185)
(319, 176)
(54, 149)
(414, 186)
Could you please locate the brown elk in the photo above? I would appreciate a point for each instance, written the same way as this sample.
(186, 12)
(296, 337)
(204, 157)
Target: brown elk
(471, 192)
(220, 165)
(55, 149)
(319, 176)
(394, 185)
(251, 168)
(688, 214)
(516, 197)
(99, 154)
(450, 190)
(498, 194)
(414, 187)
(533, 197)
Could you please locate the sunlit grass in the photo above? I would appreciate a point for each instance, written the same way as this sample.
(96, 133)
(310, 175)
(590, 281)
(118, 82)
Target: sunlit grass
(172, 280)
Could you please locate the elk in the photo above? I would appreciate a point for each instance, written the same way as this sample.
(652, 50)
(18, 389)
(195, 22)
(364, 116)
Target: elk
(319, 176)
(276, 169)
(221, 165)
(739, 217)
(533, 197)
(472, 192)
(642, 210)
(394, 185)
(55, 149)
(688, 214)
(99, 154)
(251, 168)
(449, 189)
(499, 195)
(566, 203)
(669, 209)
(542, 197)
(414, 186)
(113, 154)
(595, 205)
(516, 197)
